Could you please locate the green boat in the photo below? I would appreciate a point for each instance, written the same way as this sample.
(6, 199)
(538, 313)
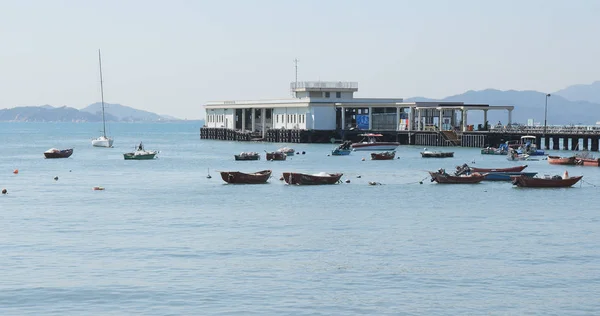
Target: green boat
(140, 154)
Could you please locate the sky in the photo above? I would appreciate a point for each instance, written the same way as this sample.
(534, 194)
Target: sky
(170, 57)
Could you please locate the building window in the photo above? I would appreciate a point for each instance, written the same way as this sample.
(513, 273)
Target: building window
(338, 95)
(327, 94)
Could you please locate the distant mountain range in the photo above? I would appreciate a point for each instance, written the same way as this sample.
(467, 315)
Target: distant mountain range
(578, 104)
(91, 113)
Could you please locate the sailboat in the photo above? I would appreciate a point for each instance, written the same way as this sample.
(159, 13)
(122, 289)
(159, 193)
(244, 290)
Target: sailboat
(102, 141)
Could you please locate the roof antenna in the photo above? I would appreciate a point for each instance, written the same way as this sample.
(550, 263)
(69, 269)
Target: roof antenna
(296, 81)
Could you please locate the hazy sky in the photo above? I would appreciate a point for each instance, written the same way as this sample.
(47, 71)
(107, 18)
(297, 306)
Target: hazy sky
(170, 57)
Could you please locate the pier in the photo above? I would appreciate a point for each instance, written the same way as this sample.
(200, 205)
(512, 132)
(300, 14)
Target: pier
(556, 137)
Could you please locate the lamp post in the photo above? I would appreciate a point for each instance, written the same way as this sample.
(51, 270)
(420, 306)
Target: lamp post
(546, 113)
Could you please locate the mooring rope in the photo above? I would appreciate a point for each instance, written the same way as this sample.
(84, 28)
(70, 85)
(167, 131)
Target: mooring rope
(589, 183)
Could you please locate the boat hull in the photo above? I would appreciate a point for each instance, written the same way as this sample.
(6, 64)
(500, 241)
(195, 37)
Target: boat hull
(449, 179)
(589, 162)
(341, 152)
(510, 169)
(133, 156)
(493, 151)
(246, 157)
(388, 155)
(309, 179)
(522, 181)
(569, 161)
(102, 142)
(379, 146)
(506, 176)
(236, 177)
(435, 154)
(277, 156)
(65, 153)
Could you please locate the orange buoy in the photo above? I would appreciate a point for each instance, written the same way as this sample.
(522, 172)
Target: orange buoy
(16, 171)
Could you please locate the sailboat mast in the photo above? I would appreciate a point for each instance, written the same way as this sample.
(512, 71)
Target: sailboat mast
(102, 94)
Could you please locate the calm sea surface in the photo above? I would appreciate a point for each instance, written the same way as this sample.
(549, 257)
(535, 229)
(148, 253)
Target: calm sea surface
(162, 239)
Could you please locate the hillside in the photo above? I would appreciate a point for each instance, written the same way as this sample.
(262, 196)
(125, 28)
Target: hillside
(581, 92)
(91, 113)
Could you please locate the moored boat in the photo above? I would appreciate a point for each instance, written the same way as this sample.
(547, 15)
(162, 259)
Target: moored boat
(386, 155)
(236, 177)
(286, 150)
(442, 177)
(370, 142)
(343, 150)
(311, 179)
(140, 154)
(247, 156)
(437, 154)
(506, 176)
(102, 140)
(494, 151)
(276, 155)
(592, 162)
(58, 153)
(546, 182)
(509, 169)
(556, 160)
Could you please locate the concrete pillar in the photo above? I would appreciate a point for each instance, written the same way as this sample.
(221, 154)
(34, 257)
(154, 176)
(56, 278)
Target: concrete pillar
(594, 144)
(440, 119)
(243, 120)
(485, 117)
(464, 120)
(370, 118)
(343, 118)
(411, 120)
(509, 117)
(253, 118)
(263, 116)
(419, 120)
(585, 143)
(397, 118)
(565, 143)
(546, 142)
(555, 144)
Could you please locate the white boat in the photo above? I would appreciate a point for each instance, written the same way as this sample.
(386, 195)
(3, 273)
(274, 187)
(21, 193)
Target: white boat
(102, 141)
(370, 143)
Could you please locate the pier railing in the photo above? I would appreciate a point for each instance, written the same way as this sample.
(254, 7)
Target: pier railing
(323, 85)
(554, 129)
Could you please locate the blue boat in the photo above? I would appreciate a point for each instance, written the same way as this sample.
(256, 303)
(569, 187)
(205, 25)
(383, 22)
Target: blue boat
(505, 176)
(341, 152)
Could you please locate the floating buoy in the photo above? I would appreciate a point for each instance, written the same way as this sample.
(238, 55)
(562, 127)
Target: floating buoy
(4, 191)
(358, 177)
(420, 182)
(56, 178)
(281, 179)
(208, 176)
(328, 155)
(303, 152)
(348, 181)
(98, 188)
(16, 171)
(363, 159)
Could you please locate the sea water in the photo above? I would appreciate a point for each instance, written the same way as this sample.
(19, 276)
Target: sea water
(164, 239)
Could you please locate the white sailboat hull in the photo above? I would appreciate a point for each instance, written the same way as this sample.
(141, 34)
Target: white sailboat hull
(102, 142)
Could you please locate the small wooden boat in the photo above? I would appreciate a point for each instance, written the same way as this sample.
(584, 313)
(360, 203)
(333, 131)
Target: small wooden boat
(592, 162)
(236, 177)
(506, 176)
(140, 154)
(436, 154)
(247, 156)
(286, 150)
(442, 177)
(311, 179)
(556, 160)
(386, 155)
(58, 153)
(546, 182)
(276, 155)
(510, 169)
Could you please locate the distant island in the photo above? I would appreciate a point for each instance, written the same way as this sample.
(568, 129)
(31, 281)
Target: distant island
(91, 113)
